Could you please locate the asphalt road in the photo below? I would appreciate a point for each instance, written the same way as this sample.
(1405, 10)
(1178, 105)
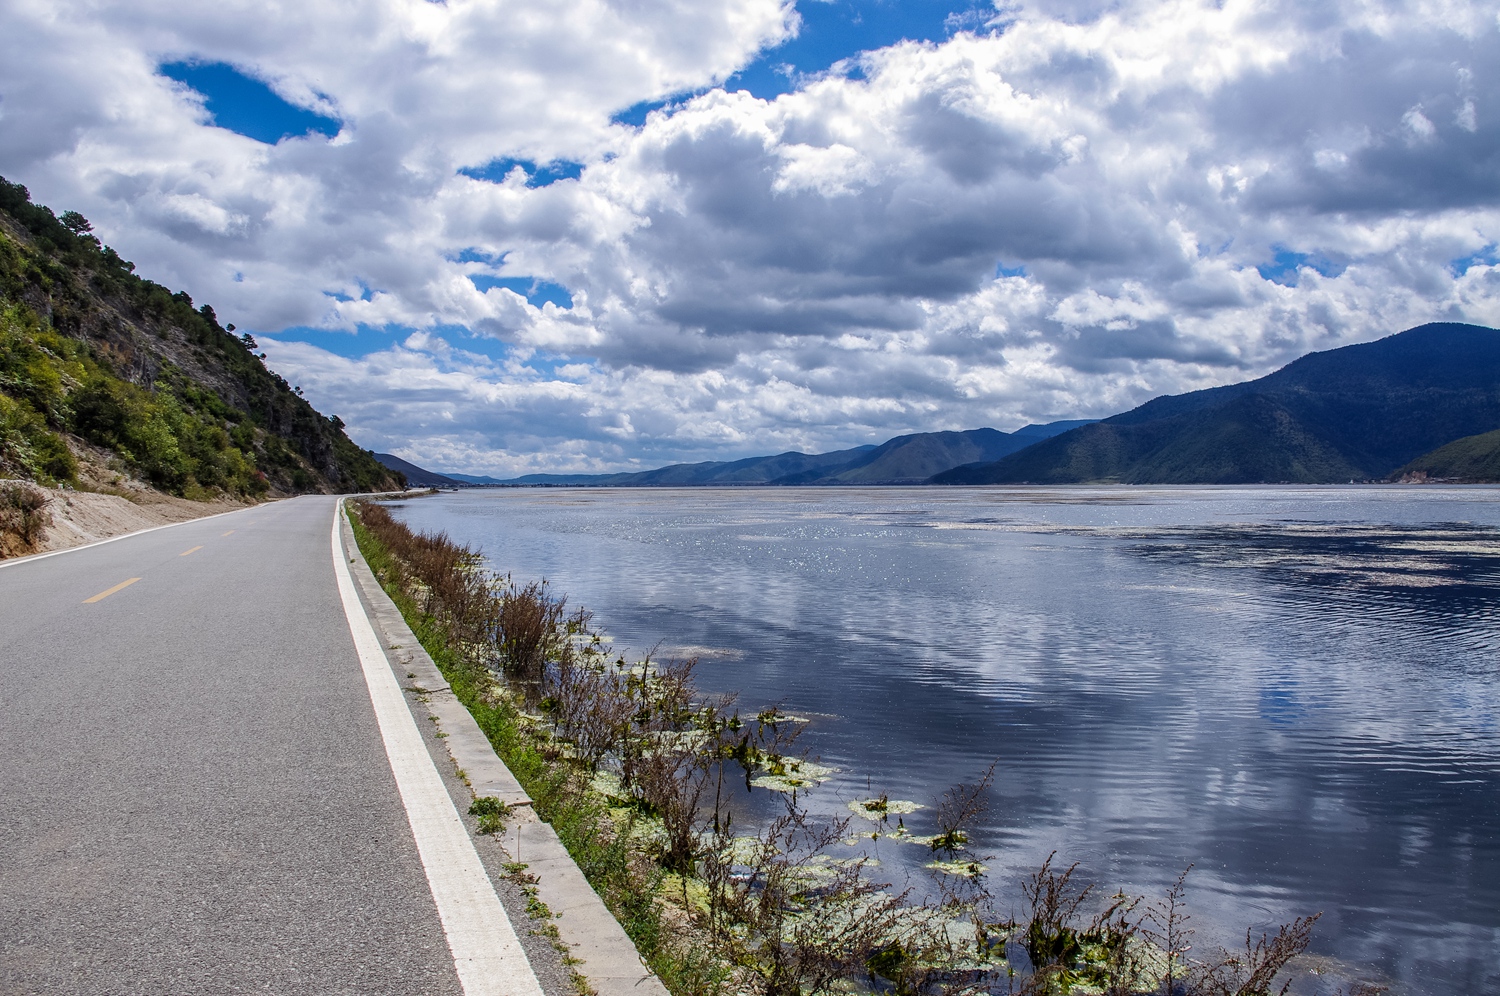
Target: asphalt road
(194, 795)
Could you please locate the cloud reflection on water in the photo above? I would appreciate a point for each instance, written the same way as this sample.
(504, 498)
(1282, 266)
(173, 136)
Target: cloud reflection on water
(1292, 688)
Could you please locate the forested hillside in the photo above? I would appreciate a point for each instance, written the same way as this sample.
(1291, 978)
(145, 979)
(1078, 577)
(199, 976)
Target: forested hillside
(98, 364)
(1470, 460)
(1354, 413)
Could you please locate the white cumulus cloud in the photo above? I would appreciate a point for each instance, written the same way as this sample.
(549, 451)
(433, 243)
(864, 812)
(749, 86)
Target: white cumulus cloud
(1060, 212)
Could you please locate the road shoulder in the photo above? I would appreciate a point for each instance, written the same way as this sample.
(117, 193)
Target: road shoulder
(601, 951)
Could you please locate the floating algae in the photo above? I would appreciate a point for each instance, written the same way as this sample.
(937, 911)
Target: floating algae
(881, 809)
(608, 784)
(770, 717)
(677, 741)
(791, 775)
(824, 869)
(961, 869)
(901, 835)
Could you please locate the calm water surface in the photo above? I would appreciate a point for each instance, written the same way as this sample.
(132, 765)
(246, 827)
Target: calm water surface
(1295, 689)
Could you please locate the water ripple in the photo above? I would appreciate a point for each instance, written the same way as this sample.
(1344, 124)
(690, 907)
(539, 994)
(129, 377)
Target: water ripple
(1294, 688)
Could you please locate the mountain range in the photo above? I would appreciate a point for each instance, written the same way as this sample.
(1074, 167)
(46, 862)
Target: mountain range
(100, 367)
(416, 477)
(1423, 404)
(1357, 413)
(909, 459)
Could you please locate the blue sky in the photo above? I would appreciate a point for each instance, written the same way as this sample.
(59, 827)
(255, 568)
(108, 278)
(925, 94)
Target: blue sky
(247, 106)
(834, 31)
(1058, 216)
(831, 31)
(841, 29)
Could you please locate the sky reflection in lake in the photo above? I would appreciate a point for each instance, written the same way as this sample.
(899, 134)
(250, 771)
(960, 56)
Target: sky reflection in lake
(1293, 688)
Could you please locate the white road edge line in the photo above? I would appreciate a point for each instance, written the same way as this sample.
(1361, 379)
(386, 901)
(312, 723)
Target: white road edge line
(486, 951)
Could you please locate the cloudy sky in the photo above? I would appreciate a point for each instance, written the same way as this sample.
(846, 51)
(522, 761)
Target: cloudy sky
(505, 236)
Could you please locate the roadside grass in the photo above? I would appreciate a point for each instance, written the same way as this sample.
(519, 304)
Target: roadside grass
(627, 884)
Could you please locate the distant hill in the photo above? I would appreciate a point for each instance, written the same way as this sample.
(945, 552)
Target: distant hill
(554, 480)
(416, 476)
(1047, 430)
(909, 459)
(914, 458)
(783, 467)
(752, 470)
(1355, 413)
(471, 479)
(1470, 460)
(103, 372)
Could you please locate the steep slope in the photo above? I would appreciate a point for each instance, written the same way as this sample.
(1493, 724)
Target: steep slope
(100, 364)
(1471, 460)
(1357, 413)
(416, 476)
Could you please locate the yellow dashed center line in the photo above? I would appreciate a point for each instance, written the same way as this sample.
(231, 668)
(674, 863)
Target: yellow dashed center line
(105, 594)
(226, 534)
(193, 550)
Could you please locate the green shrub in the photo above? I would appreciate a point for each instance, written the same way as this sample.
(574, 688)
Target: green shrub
(29, 449)
(23, 517)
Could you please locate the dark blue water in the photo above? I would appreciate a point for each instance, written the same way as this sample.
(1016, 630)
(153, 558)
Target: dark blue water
(1295, 689)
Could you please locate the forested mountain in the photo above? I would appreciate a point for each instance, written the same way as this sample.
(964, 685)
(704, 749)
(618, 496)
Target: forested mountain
(1355, 413)
(101, 367)
(913, 458)
(1470, 460)
(909, 459)
(751, 470)
(416, 476)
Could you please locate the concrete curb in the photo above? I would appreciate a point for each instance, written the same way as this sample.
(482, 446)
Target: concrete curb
(607, 957)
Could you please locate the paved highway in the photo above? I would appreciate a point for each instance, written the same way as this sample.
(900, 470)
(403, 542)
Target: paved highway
(195, 795)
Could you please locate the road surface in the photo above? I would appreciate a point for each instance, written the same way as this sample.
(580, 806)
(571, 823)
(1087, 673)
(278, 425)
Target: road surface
(195, 794)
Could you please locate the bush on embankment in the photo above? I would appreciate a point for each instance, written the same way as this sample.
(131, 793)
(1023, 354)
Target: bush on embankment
(23, 516)
(633, 764)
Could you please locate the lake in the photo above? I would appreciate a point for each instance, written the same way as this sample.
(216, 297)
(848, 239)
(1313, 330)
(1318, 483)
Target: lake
(1292, 688)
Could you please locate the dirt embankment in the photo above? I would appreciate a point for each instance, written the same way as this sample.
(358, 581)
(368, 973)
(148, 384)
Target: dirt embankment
(59, 519)
(108, 502)
(80, 517)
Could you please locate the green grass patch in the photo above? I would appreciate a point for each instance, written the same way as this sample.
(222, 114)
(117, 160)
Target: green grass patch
(601, 847)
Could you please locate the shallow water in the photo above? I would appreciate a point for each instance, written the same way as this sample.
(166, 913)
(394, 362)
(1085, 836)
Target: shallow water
(1294, 689)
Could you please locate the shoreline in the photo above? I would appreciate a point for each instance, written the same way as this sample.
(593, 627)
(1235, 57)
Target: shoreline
(688, 889)
(562, 905)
